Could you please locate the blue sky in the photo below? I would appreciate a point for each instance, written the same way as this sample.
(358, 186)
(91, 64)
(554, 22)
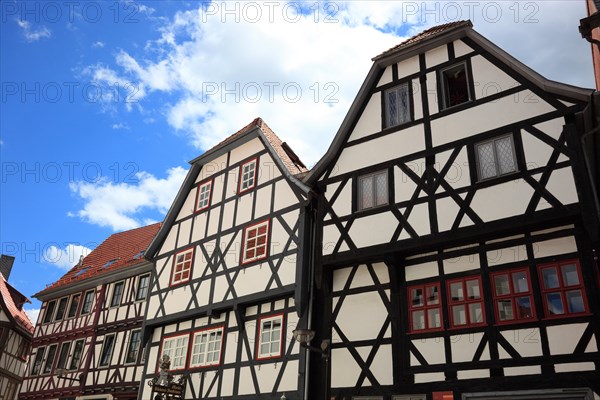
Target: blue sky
(104, 102)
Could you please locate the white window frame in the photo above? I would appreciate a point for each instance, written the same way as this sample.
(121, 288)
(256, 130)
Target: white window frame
(373, 177)
(72, 356)
(270, 354)
(444, 83)
(73, 296)
(137, 287)
(212, 345)
(498, 172)
(48, 316)
(203, 196)
(112, 349)
(67, 354)
(49, 358)
(183, 262)
(83, 312)
(112, 297)
(65, 301)
(130, 343)
(399, 89)
(248, 182)
(248, 238)
(177, 351)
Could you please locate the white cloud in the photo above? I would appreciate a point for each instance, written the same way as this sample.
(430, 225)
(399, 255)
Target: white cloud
(120, 205)
(65, 258)
(98, 44)
(33, 314)
(31, 34)
(120, 126)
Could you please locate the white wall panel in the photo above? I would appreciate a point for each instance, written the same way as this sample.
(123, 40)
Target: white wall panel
(370, 120)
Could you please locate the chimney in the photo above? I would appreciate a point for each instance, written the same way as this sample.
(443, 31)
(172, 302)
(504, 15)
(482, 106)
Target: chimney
(6, 263)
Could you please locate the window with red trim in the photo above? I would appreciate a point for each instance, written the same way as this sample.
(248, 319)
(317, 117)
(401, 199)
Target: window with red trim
(465, 302)
(206, 347)
(425, 307)
(270, 335)
(176, 347)
(247, 179)
(256, 242)
(513, 298)
(562, 289)
(182, 266)
(203, 196)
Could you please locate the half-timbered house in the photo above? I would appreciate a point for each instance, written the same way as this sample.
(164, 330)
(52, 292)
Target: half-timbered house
(456, 230)
(87, 342)
(223, 302)
(16, 331)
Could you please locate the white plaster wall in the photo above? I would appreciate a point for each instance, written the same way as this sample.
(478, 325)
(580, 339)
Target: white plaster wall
(555, 247)
(386, 77)
(465, 346)
(509, 199)
(241, 153)
(184, 233)
(436, 56)
(562, 186)
(432, 93)
(506, 255)
(361, 316)
(343, 204)
(344, 369)
(432, 349)
(188, 206)
(421, 271)
(267, 169)
(527, 342)
(263, 202)
(370, 120)
(213, 167)
(363, 234)
(461, 48)
(408, 67)
(489, 79)
(563, 338)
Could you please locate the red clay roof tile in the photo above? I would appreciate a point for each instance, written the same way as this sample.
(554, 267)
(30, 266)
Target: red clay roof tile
(13, 300)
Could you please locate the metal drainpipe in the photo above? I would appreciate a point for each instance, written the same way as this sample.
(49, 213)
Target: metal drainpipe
(310, 298)
(589, 169)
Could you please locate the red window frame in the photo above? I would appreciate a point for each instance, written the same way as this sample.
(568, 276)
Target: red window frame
(191, 347)
(512, 296)
(199, 187)
(255, 237)
(562, 289)
(424, 307)
(465, 302)
(259, 336)
(174, 271)
(160, 351)
(241, 175)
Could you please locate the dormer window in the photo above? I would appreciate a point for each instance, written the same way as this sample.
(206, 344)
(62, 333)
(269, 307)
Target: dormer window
(203, 196)
(247, 178)
(455, 85)
(397, 105)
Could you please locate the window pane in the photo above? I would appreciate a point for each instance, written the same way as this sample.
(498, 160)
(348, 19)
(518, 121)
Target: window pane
(392, 108)
(381, 189)
(504, 151)
(432, 295)
(475, 313)
(418, 320)
(455, 85)
(505, 311)
(524, 309)
(433, 317)
(487, 162)
(473, 290)
(456, 290)
(366, 192)
(550, 278)
(458, 315)
(403, 104)
(570, 275)
(501, 285)
(520, 283)
(575, 301)
(555, 304)
(417, 297)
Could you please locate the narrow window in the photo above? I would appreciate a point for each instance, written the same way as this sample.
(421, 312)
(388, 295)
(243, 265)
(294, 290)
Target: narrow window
(203, 196)
(425, 309)
(117, 294)
(495, 157)
(24, 348)
(63, 355)
(133, 348)
(397, 105)
(373, 190)
(107, 350)
(37, 363)
(74, 305)
(50, 359)
(247, 178)
(62, 306)
(513, 299)
(77, 352)
(182, 266)
(88, 301)
(176, 348)
(562, 289)
(49, 311)
(455, 85)
(206, 348)
(270, 337)
(465, 302)
(256, 242)
(142, 287)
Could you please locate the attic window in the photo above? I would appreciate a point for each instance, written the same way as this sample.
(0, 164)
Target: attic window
(455, 85)
(111, 262)
(247, 178)
(397, 105)
(81, 271)
(139, 255)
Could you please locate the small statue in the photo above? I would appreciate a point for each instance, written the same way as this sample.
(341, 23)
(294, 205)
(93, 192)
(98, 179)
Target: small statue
(165, 377)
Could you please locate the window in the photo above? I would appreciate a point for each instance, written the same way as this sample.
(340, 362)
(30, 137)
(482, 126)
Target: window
(182, 266)
(513, 299)
(117, 294)
(77, 352)
(62, 306)
(24, 348)
(50, 359)
(562, 289)
(88, 300)
(424, 306)
(455, 85)
(247, 175)
(270, 333)
(63, 355)
(73, 306)
(49, 311)
(107, 350)
(256, 242)
(133, 348)
(37, 363)
(465, 302)
(206, 348)
(373, 190)
(397, 105)
(176, 348)
(203, 196)
(142, 287)
(495, 157)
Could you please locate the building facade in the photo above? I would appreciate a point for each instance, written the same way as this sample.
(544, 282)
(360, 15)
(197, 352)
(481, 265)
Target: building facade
(87, 341)
(16, 331)
(456, 232)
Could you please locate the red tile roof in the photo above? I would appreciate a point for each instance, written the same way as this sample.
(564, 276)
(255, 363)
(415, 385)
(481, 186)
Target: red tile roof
(12, 301)
(426, 34)
(120, 250)
(293, 167)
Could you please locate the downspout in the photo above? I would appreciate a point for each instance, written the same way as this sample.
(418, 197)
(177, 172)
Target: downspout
(311, 269)
(588, 166)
